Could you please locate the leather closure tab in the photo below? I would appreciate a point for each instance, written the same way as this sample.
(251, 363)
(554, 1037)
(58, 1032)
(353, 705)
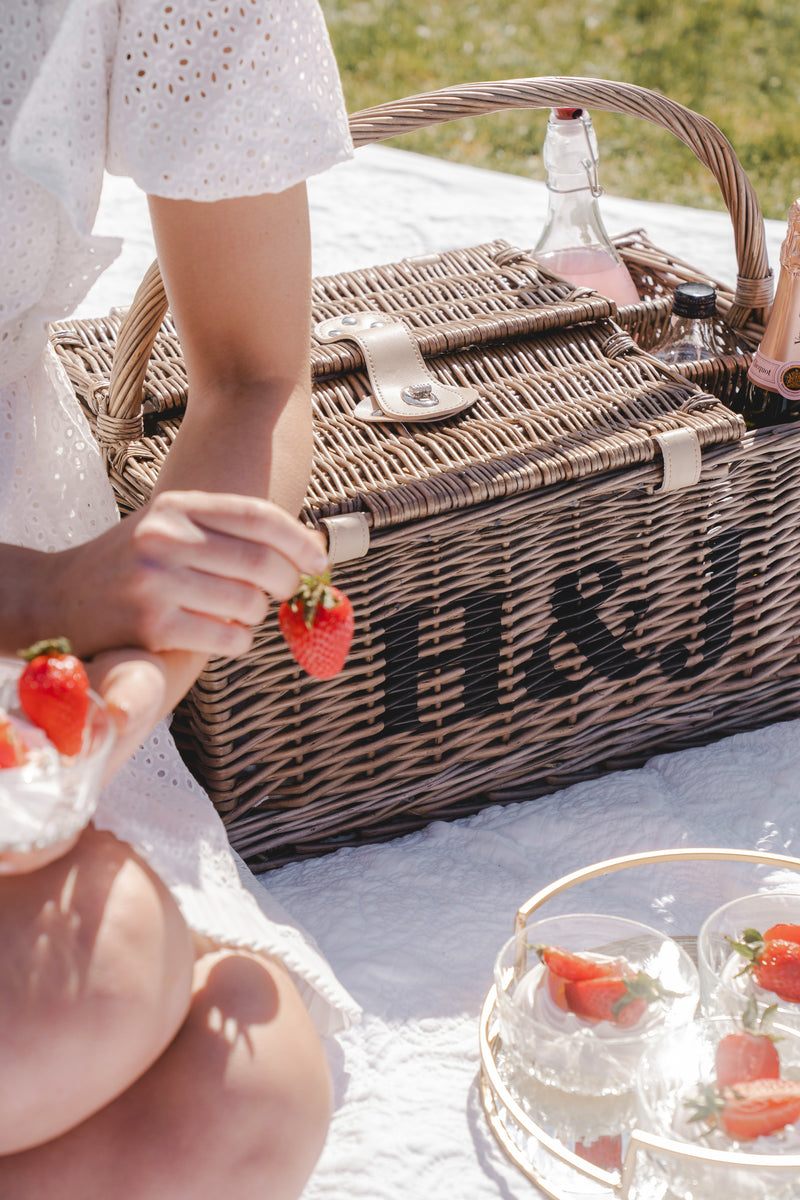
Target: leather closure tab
(348, 536)
(402, 387)
(683, 459)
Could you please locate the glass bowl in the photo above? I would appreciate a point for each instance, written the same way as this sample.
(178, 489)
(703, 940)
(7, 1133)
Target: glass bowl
(673, 1071)
(49, 798)
(724, 986)
(577, 1058)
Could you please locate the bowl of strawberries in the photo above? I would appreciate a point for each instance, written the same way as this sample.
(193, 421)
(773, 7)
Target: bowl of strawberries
(581, 995)
(750, 947)
(55, 738)
(729, 1087)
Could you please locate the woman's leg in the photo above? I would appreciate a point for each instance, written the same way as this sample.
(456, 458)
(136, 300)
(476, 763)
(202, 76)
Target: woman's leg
(236, 1107)
(96, 980)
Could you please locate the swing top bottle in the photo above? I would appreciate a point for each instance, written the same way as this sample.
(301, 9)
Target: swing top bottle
(574, 242)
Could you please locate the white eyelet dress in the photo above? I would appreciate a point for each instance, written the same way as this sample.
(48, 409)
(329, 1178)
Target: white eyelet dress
(198, 99)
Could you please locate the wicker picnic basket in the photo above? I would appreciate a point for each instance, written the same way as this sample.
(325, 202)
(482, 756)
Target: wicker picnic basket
(590, 563)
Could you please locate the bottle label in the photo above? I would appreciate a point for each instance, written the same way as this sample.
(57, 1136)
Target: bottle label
(781, 377)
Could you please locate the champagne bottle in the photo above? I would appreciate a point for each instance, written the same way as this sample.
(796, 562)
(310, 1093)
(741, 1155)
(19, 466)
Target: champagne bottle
(574, 243)
(772, 396)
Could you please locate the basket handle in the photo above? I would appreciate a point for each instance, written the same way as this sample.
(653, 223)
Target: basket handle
(120, 417)
(708, 144)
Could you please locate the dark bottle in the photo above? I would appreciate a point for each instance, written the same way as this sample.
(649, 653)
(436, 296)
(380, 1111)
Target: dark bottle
(773, 389)
(690, 335)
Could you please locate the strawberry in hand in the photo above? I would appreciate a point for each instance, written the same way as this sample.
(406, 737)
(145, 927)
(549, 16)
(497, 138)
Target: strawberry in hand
(748, 1053)
(774, 962)
(54, 693)
(317, 626)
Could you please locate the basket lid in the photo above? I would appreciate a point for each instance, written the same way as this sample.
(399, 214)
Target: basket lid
(564, 393)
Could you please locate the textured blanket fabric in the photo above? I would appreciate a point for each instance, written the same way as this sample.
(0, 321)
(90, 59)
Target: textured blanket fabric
(412, 927)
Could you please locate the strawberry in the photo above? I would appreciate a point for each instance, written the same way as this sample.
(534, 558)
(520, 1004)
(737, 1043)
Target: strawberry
(12, 748)
(778, 970)
(773, 962)
(621, 999)
(54, 693)
(571, 966)
(783, 933)
(748, 1053)
(598, 989)
(317, 625)
(604, 1152)
(754, 1108)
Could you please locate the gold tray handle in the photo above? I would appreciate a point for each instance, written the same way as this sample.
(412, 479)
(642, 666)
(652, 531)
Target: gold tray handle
(644, 1142)
(693, 854)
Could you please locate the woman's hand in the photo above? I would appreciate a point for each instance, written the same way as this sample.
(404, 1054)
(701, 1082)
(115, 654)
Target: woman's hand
(192, 571)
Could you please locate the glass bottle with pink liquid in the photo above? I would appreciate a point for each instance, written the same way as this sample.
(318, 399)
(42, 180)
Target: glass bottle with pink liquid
(574, 242)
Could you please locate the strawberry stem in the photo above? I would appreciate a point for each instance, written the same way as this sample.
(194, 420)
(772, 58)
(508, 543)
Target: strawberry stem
(314, 591)
(48, 647)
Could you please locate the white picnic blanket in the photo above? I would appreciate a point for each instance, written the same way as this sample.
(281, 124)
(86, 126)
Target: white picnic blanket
(412, 926)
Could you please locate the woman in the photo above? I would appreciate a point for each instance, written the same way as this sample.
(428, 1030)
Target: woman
(159, 1034)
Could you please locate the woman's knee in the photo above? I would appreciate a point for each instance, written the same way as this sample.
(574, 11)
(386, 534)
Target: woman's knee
(257, 1031)
(238, 1105)
(249, 1070)
(97, 979)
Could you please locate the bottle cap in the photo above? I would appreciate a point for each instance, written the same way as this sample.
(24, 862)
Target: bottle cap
(694, 300)
(567, 114)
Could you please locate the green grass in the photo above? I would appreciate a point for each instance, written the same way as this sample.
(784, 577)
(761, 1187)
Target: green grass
(735, 61)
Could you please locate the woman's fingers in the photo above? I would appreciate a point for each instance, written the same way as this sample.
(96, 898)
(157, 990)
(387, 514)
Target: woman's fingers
(257, 537)
(158, 552)
(167, 606)
(191, 571)
(198, 633)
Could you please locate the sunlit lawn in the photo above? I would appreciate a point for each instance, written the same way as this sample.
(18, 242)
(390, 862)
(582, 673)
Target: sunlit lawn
(735, 61)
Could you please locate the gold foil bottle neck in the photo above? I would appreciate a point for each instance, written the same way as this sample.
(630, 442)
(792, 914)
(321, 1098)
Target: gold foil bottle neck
(790, 250)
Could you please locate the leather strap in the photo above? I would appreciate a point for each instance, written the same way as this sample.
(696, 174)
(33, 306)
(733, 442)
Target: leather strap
(683, 460)
(348, 537)
(402, 387)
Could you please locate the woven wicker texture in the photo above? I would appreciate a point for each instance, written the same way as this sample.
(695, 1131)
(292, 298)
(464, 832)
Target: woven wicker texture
(531, 610)
(466, 308)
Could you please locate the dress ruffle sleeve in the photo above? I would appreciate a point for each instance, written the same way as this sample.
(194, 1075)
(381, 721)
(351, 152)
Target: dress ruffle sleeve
(54, 74)
(219, 99)
(200, 101)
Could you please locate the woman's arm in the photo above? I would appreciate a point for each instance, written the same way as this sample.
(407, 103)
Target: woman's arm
(238, 278)
(187, 576)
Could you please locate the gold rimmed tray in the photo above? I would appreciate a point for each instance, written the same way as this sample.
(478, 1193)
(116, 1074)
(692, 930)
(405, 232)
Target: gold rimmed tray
(545, 1160)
